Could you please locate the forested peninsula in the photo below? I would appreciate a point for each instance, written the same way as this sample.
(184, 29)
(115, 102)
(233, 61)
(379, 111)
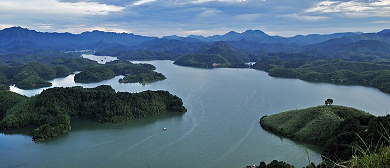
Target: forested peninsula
(331, 71)
(36, 75)
(133, 73)
(349, 136)
(53, 109)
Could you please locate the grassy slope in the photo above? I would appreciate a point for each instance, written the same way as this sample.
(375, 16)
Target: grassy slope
(313, 125)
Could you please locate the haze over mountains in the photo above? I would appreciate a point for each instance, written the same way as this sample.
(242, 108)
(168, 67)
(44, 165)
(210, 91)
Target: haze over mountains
(14, 37)
(251, 43)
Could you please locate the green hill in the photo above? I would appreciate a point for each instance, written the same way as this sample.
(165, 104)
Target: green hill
(8, 100)
(220, 54)
(340, 130)
(313, 125)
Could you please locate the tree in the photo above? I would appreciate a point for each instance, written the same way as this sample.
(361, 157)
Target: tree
(328, 101)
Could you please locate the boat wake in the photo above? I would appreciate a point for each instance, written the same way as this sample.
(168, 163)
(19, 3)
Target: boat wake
(127, 149)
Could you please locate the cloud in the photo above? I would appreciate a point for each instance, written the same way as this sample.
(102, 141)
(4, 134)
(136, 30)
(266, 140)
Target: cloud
(56, 7)
(230, 1)
(206, 32)
(206, 17)
(354, 8)
(142, 2)
(44, 26)
(305, 17)
(248, 17)
(83, 28)
(209, 12)
(3, 26)
(381, 22)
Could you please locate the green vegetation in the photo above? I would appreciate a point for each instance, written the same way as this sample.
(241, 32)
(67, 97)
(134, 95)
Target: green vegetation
(53, 109)
(29, 76)
(347, 134)
(220, 54)
(35, 75)
(32, 55)
(366, 159)
(203, 61)
(142, 73)
(95, 74)
(273, 164)
(313, 125)
(143, 78)
(73, 64)
(8, 100)
(332, 71)
(32, 82)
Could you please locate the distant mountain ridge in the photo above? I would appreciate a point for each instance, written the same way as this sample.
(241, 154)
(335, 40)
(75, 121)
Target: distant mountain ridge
(127, 45)
(68, 41)
(86, 40)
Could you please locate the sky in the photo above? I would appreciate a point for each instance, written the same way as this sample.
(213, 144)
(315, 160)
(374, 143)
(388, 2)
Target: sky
(199, 17)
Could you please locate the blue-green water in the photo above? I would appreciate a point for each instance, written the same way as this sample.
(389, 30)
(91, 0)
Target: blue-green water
(220, 129)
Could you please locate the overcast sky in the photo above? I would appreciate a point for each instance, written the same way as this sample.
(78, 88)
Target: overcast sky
(200, 17)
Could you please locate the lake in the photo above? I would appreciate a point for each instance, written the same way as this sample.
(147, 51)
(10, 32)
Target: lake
(220, 129)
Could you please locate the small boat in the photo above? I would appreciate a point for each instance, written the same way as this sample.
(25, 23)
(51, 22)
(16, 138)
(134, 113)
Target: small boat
(165, 128)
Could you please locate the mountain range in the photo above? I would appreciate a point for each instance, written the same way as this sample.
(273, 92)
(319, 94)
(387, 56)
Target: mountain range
(234, 47)
(16, 38)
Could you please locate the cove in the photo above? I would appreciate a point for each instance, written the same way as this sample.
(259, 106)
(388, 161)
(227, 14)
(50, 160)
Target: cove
(220, 129)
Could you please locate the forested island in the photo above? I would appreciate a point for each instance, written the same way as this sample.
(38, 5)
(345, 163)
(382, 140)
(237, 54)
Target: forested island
(349, 136)
(141, 73)
(53, 109)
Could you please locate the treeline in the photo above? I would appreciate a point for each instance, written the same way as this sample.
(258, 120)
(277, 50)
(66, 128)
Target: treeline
(35, 75)
(343, 132)
(331, 71)
(141, 73)
(53, 109)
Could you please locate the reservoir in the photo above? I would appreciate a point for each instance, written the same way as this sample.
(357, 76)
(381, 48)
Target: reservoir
(220, 129)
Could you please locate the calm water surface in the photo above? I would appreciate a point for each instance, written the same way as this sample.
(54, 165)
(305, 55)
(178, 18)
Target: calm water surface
(220, 129)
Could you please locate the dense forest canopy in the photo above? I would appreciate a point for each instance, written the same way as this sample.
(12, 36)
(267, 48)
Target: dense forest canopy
(35, 75)
(53, 109)
(332, 71)
(340, 130)
(31, 75)
(141, 73)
